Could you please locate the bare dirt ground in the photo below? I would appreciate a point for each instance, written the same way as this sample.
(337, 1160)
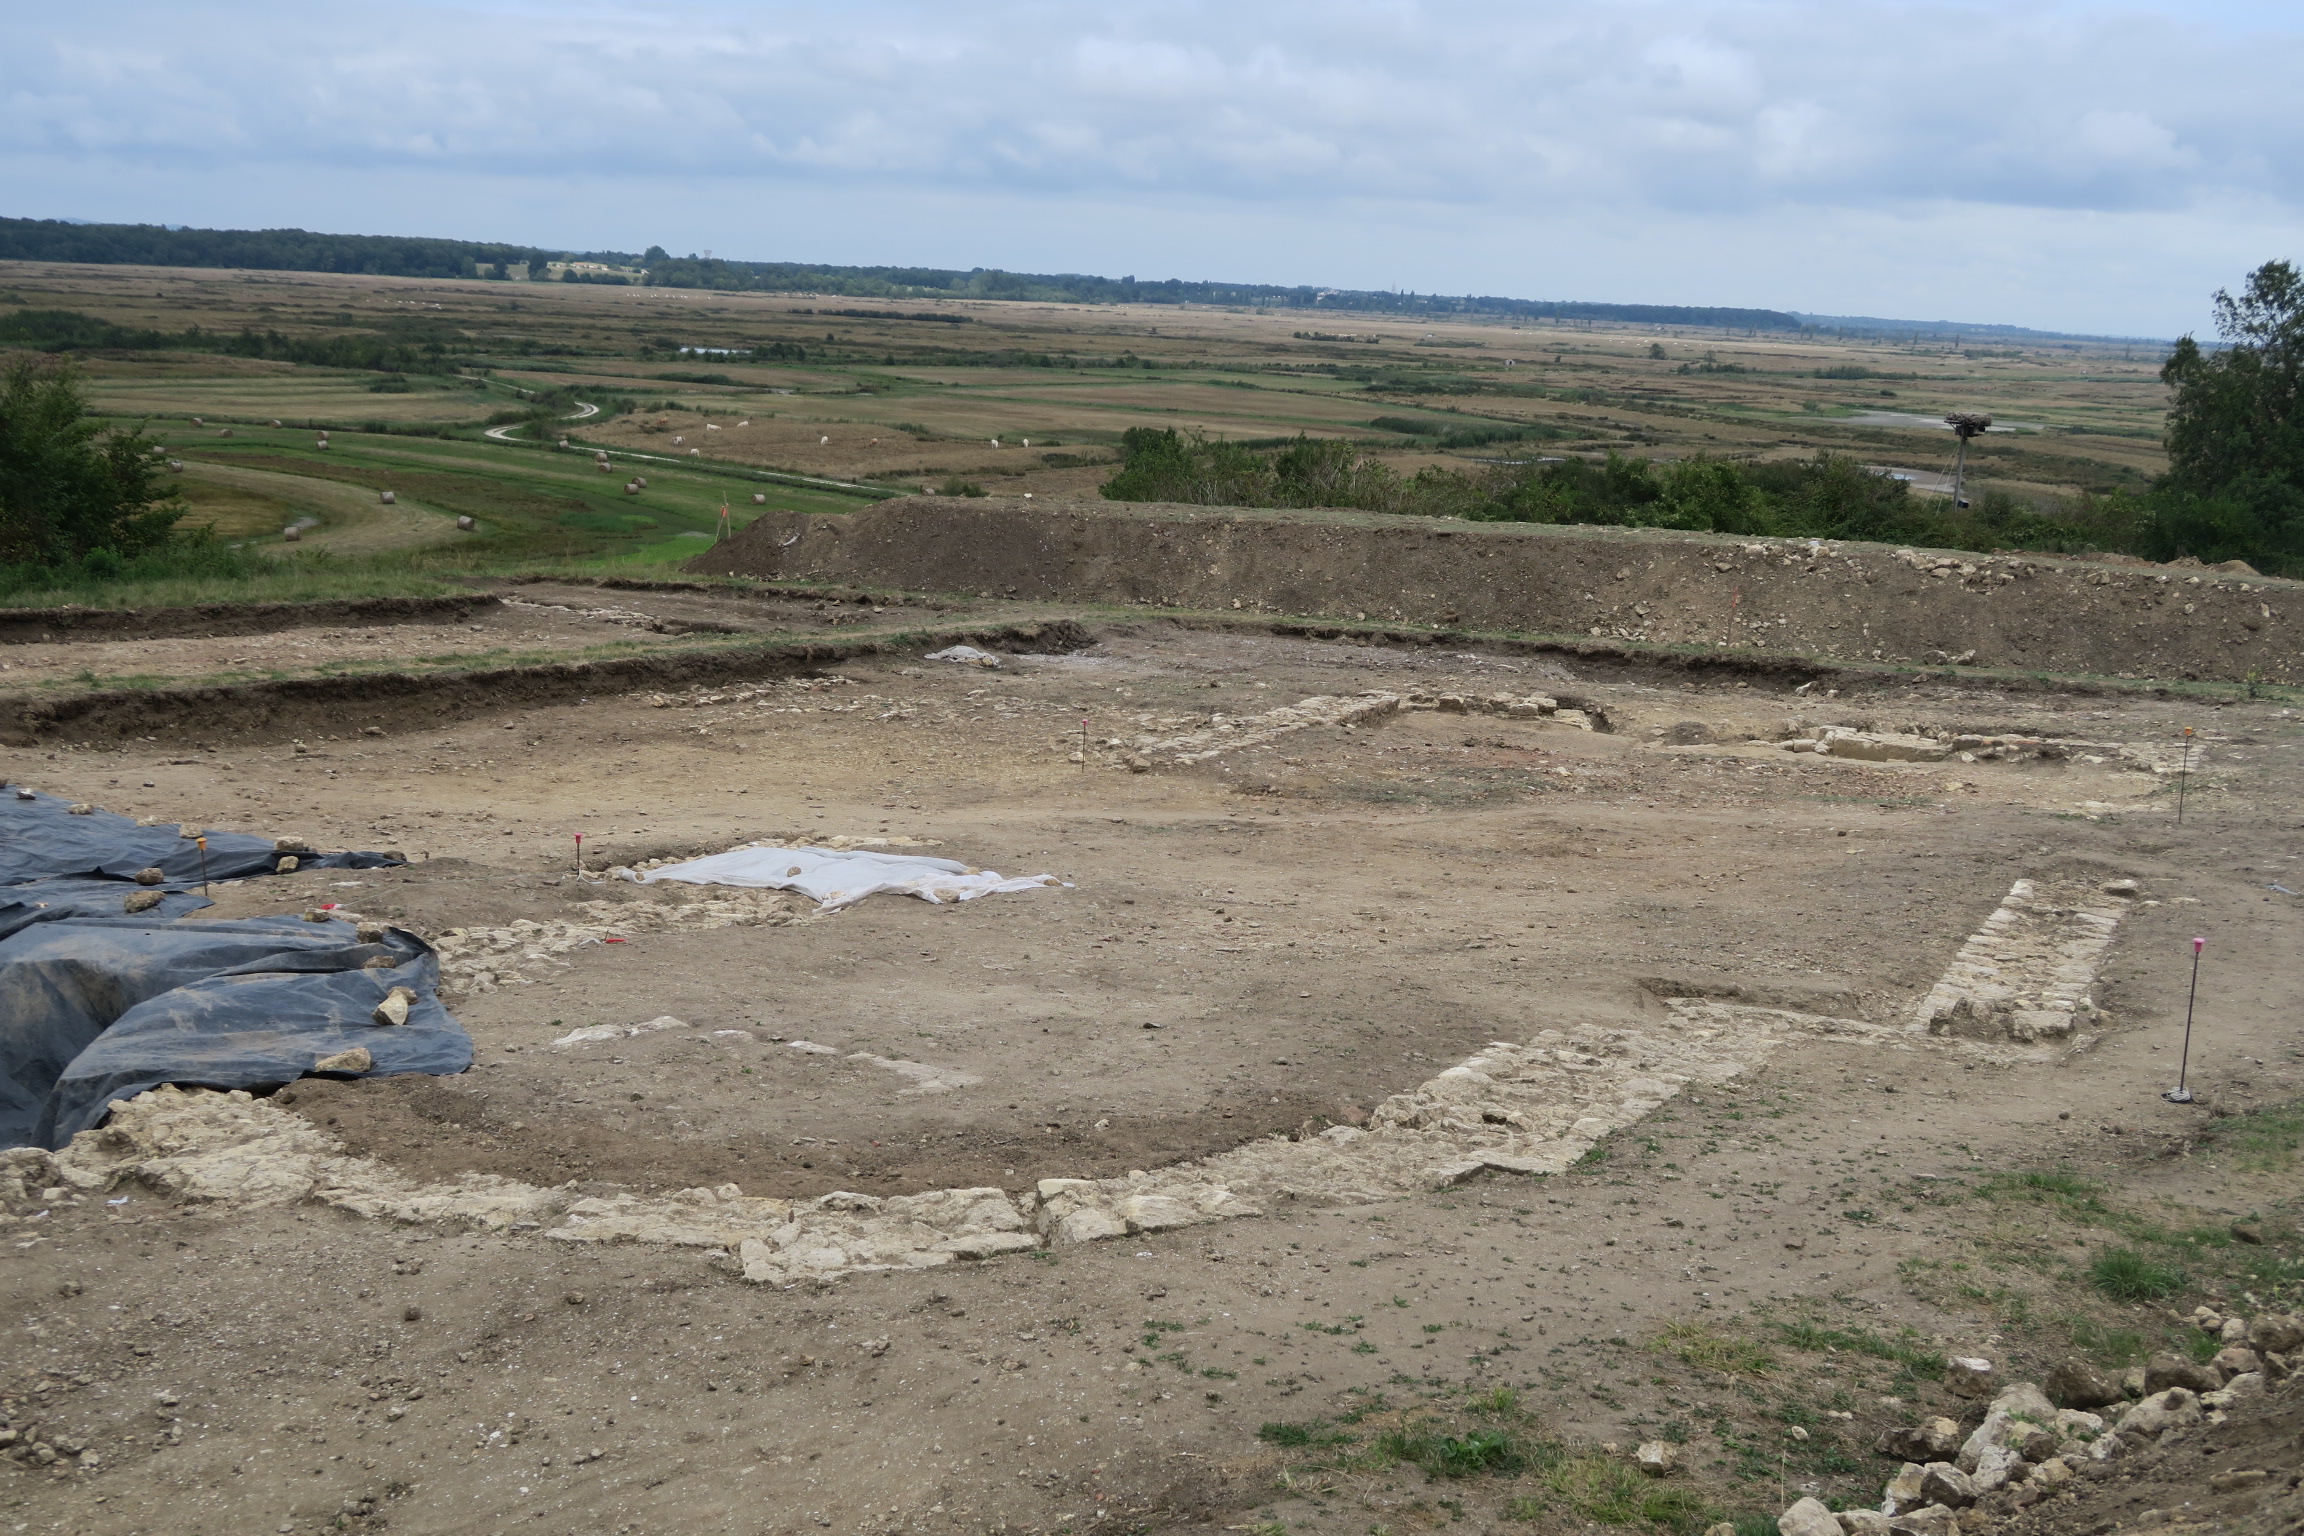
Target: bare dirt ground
(1268, 942)
(531, 621)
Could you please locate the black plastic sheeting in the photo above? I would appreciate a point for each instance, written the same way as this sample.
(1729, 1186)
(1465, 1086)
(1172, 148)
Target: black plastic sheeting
(98, 1004)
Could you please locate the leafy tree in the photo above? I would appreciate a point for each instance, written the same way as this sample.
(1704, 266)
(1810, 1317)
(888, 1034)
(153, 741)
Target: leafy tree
(70, 489)
(2235, 481)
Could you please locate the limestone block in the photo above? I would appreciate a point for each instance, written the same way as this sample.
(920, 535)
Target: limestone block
(1156, 1213)
(1086, 1226)
(1927, 1520)
(2278, 1333)
(1903, 1490)
(2171, 1408)
(1808, 1517)
(1943, 1483)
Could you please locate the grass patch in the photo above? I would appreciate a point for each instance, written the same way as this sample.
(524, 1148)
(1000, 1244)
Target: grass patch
(1493, 1437)
(2262, 1141)
(2155, 1253)
(2076, 1198)
(1907, 1350)
(2126, 1275)
(2116, 1347)
(1707, 1350)
(1605, 1491)
(1478, 1451)
(237, 512)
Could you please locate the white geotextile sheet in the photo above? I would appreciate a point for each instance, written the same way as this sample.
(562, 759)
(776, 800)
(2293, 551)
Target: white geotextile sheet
(837, 878)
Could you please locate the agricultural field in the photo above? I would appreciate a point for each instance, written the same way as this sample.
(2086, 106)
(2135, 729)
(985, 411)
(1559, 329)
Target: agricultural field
(1029, 398)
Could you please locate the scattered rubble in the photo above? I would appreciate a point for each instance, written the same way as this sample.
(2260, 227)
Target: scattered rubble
(1876, 743)
(966, 655)
(630, 618)
(1231, 733)
(477, 960)
(595, 1032)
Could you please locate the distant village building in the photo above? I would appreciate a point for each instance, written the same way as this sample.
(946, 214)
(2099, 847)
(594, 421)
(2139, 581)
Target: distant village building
(560, 271)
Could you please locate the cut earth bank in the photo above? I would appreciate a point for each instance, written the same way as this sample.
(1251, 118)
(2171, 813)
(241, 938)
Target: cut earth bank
(1324, 919)
(1849, 601)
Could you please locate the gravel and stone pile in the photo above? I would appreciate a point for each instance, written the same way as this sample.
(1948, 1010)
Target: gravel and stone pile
(2035, 1439)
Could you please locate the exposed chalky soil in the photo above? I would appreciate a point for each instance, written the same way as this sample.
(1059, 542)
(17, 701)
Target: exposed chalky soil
(1767, 1197)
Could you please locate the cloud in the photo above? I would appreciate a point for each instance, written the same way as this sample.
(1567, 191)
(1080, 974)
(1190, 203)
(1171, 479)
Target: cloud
(1589, 121)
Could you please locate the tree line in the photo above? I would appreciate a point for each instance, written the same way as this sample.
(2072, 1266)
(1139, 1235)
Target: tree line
(257, 250)
(298, 250)
(668, 271)
(66, 330)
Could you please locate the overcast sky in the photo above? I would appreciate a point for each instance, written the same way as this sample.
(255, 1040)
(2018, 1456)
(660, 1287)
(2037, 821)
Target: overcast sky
(2077, 165)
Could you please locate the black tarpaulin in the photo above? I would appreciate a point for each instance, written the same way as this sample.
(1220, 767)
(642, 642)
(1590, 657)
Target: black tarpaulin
(98, 1004)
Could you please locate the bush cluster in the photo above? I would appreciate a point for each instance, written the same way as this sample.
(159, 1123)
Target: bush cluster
(1826, 496)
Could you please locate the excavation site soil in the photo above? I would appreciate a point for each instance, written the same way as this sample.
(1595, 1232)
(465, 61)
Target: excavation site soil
(1447, 1039)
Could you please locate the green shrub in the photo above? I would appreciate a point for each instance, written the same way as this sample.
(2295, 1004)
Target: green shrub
(196, 556)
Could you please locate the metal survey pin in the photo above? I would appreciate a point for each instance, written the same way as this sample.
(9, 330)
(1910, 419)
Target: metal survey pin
(2182, 1092)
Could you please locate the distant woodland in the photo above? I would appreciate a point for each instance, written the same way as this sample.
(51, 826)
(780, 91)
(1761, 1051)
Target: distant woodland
(297, 250)
(258, 250)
